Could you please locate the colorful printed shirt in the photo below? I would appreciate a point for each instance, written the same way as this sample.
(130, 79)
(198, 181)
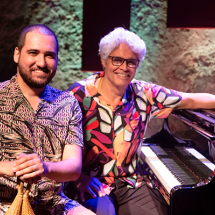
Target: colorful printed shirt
(112, 137)
(46, 131)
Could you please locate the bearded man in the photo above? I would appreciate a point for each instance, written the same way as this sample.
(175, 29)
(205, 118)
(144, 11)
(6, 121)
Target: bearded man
(40, 128)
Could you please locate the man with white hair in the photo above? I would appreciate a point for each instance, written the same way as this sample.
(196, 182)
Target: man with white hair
(116, 110)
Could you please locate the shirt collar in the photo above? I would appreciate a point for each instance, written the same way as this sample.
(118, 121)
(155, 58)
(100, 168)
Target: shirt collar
(49, 94)
(90, 89)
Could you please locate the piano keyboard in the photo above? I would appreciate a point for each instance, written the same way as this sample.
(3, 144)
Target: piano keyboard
(177, 165)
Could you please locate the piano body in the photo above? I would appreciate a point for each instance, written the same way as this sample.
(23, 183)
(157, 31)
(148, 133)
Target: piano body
(184, 176)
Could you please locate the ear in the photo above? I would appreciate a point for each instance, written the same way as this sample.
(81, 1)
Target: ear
(16, 55)
(103, 63)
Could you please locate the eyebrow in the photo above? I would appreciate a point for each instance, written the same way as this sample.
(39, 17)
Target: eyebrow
(125, 58)
(52, 53)
(36, 50)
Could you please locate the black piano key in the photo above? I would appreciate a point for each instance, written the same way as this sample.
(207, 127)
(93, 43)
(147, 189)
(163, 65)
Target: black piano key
(180, 171)
(195, 165)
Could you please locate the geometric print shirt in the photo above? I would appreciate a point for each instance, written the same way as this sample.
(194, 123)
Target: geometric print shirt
(55, 123)
(112, 136)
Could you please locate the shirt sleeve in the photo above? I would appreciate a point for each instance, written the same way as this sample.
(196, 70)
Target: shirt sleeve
(159, 101)
(75, 133)
(163, 101)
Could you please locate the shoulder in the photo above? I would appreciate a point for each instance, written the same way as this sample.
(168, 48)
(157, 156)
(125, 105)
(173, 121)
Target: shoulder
(57, 96)
(77, 87)
(154, 93)
(85, 86)
(62, 105)
(4, 84)
(149, 87)
(78, 90)
(139, 85)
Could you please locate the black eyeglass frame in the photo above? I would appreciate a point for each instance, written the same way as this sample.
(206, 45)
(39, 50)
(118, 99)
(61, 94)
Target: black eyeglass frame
(123, 60)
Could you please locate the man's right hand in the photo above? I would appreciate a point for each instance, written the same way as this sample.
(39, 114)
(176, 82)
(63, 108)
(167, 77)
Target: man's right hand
(90, 184)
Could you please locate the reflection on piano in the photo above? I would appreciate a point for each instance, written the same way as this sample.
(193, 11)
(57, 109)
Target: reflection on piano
(182, 174)
(202, 121)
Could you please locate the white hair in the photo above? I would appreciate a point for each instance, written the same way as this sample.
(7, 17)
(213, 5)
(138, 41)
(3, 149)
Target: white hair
(120, 35)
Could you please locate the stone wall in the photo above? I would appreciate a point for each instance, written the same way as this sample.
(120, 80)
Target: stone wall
(181, 59)
(64, 17)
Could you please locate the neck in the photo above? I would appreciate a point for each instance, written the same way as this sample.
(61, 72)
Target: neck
(112, 94)
(31, 94)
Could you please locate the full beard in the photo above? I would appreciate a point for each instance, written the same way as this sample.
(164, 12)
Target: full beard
(27, 78)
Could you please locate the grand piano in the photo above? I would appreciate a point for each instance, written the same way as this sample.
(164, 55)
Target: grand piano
(183, 175)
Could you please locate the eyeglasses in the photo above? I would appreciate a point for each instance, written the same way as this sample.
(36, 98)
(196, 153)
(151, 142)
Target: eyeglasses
(118, 61)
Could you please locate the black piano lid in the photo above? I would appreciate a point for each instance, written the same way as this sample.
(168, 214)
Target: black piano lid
(208, 115)
(210, 112)
(201, 117)
(198, 114)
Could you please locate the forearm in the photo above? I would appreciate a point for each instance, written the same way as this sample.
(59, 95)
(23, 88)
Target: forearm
(62, 171)
(197, 100)
(31, 166)
(6, 168)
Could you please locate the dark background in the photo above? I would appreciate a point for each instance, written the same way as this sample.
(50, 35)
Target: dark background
(191, 14)
(99, 18)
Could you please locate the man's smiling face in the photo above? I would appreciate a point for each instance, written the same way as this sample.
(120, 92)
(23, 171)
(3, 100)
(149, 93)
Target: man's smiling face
(37, 61)
(120, 75)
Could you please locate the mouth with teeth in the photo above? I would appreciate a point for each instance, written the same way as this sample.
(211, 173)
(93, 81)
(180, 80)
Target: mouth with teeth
(40, 71)
(123, 75)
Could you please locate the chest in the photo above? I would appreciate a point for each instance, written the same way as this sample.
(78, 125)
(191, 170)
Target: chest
(42, 132)
(128, 119)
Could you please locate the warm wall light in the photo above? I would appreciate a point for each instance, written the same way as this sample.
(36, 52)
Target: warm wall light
(191, 14)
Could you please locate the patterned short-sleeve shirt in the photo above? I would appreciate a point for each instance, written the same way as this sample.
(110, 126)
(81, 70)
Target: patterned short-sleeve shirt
(55, 123)
(112, 136)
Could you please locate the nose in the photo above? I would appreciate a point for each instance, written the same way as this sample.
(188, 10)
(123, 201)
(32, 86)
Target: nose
(124, 66)
(41, 61)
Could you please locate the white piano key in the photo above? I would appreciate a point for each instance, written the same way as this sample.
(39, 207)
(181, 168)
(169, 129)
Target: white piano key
(203, 159)
(160, 170)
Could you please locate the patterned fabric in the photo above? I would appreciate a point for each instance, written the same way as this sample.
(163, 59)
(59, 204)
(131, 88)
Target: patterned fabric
(56, 122)
(112, 136)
